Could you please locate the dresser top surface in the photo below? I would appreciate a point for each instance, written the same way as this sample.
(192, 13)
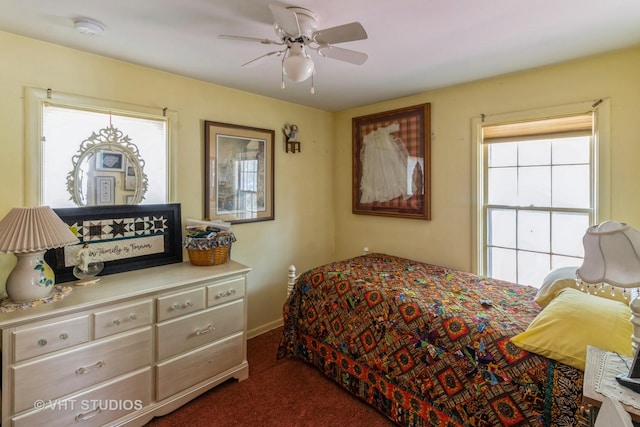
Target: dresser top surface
(122, 287)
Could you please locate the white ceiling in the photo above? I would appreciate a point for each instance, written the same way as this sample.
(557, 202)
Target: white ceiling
(413, 45)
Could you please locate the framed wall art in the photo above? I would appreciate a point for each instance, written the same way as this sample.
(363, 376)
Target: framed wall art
(122, 237)
(105, 190)
(238, 173)
(110, 161)
(391, 163)
(130, 178)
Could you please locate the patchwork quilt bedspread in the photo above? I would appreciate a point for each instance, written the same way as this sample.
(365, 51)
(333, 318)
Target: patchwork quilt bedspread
(428, 345)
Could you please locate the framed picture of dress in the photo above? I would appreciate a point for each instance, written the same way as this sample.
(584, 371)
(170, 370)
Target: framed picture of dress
(391, 163)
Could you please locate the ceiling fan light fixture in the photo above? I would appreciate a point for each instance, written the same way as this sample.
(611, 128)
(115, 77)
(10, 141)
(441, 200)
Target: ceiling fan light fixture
(297, 67)
(296, 29)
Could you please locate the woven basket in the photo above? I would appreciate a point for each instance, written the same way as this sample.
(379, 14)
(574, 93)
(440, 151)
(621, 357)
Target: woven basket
(213, 256)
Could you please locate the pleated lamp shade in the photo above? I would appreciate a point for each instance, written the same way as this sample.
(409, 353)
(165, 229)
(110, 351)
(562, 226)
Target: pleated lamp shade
(33, 229)
(611, 255)
(28, 233)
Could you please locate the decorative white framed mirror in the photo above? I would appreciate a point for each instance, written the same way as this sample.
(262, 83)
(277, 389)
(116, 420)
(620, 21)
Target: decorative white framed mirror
(107, 170)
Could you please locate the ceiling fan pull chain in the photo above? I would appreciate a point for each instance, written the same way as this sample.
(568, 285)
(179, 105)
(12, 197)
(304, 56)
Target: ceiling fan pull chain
(312, 83)
(282, 72)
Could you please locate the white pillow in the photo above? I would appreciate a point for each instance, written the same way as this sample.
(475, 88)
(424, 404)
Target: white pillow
(565, 277)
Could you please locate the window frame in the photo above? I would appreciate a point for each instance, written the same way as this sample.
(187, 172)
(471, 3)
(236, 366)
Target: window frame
(601, 163)
(34, 100)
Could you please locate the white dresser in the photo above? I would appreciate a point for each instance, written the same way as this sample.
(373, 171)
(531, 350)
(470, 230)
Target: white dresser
(133, 346)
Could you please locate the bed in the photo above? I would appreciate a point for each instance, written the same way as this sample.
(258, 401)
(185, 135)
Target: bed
(431, 346)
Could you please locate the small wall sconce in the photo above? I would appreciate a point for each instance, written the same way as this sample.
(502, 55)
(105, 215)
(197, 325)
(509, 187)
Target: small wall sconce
(292, 143)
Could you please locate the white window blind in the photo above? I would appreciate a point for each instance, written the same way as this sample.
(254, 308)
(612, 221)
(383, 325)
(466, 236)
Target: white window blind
(558, 127)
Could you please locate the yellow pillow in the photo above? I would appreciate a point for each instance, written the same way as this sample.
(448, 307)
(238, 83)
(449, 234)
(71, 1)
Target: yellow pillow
(573, 320)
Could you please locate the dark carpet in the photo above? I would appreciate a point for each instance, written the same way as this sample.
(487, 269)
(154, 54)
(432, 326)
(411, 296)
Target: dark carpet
(282, 393)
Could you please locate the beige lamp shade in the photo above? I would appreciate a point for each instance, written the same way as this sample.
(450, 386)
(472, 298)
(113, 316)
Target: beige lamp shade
(33, 229)
(611, 255)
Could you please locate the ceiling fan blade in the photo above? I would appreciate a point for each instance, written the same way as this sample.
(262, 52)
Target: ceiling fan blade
(261, 58)
(340, 34)
(286, 19)
(341, 54)
(248, 39)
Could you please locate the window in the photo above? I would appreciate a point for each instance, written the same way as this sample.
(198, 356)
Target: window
(538, 191)
(65, 128)
(247, 186)
(247, 175)
(57, 125)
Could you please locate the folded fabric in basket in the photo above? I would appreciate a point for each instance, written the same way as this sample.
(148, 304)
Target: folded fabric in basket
(200, 225)
(204, 240)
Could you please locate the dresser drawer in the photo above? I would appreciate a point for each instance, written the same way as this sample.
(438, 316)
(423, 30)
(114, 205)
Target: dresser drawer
(226, 291)
(95, 407)
(180, 303)
(38, 340)
(189, 369)
(188, 332)
(122, 319)
(65, 372)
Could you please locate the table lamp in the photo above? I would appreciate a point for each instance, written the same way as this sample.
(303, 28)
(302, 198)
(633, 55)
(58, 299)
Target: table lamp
(28, 233)
(612, 256)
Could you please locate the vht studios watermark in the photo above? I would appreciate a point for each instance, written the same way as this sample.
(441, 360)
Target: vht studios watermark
(88, 405)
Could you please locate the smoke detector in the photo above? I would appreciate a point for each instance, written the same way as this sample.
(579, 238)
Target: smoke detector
(88, 27)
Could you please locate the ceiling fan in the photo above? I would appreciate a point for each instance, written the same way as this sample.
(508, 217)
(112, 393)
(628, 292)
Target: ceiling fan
(296, 27)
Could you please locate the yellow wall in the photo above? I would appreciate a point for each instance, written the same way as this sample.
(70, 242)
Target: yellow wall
(313, 188)
(447, 238)
(302, 232)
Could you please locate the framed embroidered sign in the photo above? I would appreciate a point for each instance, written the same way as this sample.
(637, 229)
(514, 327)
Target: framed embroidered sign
(122, 237)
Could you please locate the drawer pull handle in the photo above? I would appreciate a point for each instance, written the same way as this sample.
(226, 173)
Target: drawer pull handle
(116, 322)
(83, 417)
(133, 317)
(223, 294)
(83, 370)
(42, 342)
(208, 329)
(64, 336)
(177, 306)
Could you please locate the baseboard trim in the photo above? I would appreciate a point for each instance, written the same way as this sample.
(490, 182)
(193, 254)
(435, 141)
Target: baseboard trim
(264, 328)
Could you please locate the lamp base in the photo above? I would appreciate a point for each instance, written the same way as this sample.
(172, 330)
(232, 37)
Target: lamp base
(30, 279)
(631, 383)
